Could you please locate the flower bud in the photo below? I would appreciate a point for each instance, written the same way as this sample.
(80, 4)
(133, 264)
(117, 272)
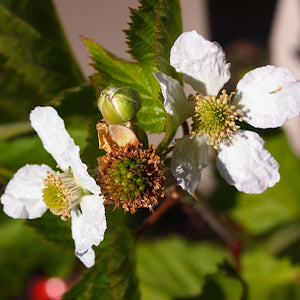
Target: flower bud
(119, 104)
(122, 135)
(110, 136)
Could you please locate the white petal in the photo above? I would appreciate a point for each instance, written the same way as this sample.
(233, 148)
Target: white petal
(23, 197)
(80, 172)
(57, 141)
(189, 158)
(269, 96)
(246, 164)
(87, 258)
(202, 62)
(88, 227)
(176, 103)
(51, 130)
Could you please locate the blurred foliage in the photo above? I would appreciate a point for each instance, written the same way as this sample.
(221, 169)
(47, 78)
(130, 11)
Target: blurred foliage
(278, 205)
(24, 255)
(265, 275)
(35, 59)
(113, 276)
(172, 268)
(28, 149)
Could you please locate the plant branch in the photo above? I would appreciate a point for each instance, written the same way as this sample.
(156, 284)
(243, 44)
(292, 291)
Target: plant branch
(157, 214)
(217, 225)
(211, 218)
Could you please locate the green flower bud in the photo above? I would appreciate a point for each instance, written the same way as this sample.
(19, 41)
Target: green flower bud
(119, 104)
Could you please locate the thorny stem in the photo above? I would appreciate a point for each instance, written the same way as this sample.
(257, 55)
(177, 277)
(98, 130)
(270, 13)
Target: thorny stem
(215, 223)
(159, 212)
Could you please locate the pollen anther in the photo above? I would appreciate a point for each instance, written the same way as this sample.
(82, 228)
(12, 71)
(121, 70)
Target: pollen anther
(61, 193)
(215, 117)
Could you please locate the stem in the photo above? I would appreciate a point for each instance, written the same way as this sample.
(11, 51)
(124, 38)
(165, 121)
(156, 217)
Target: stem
(185, 128)
(158, 213)
(165, 142)
(215, 223)
(211, 218)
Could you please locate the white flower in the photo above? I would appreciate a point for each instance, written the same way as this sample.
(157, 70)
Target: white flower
(70, 193)
(265, 97)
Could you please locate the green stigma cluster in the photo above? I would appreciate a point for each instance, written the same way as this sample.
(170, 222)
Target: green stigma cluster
(215, 117)
(131, 176)
(125, 179)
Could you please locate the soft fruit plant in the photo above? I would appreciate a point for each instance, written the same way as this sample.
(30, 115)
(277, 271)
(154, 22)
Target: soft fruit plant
(111, 182)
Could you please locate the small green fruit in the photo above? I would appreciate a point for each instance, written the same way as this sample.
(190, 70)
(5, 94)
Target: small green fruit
(119, 104)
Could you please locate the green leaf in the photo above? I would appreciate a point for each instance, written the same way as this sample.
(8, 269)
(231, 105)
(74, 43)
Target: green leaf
(146, 23)
(264, 274)
(113, 276)
(154, 27)
(91, 152)
(17, 96)
(35, 46)
(289, 291)
(15, 153)
(277, 205)
(168, 29)
(80, 101)
(174, 268)
(284, 239)
(5, 176)
(221, 286)
(141, 35)
(35, 59)
(114, 71)
(53, 229)
(14, 129)
(22, 250)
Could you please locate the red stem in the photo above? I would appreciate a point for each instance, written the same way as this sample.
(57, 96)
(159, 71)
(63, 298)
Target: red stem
(157, 214)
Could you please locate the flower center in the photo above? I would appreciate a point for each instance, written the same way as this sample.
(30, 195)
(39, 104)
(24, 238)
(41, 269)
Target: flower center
(126, 176)
(61, 193)
(215, 117)
(131, 176)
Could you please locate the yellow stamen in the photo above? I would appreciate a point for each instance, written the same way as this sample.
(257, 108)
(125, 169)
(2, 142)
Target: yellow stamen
(61, 193)
(215, 117)
(56, 195)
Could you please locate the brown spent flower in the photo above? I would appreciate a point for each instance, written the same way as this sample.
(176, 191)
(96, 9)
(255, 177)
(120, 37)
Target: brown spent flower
(131, 176)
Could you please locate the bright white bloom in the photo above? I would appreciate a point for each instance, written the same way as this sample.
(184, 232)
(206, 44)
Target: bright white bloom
(70, 193)
(265, 97)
